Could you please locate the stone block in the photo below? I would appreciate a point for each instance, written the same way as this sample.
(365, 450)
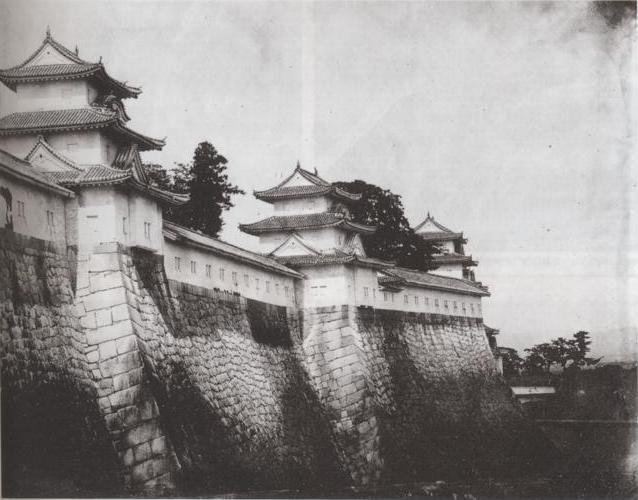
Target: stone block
(127, 379)
(104, 281)
(158, 446)
(120, 364)
(105, 298)
(110, 332)
(88, 321)
(104, 404)
(142, 472)
(107, 350)
(127, 457)
(142, 452)
(103, 317)
(93, 356)
(120, 312)
(126, 344)
(144, 432)
(130, 416)
(124, 398)
(104, 262)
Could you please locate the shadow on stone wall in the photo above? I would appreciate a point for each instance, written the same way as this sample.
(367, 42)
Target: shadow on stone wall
(236, 402)
(54, 442)
(438, 422)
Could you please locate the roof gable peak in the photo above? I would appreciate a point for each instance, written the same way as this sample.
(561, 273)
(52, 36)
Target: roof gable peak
(431, 225)
(294, 245)
(42, 155)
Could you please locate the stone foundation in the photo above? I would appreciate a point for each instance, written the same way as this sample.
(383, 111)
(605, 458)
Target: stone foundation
(177, 389)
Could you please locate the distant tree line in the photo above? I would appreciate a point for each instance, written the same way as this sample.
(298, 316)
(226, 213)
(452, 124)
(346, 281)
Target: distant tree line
(566, 354)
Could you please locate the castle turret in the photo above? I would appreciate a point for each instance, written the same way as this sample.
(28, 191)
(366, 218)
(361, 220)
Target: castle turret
(313, 232)
(67, 118)
(450, 258)
(311, 215)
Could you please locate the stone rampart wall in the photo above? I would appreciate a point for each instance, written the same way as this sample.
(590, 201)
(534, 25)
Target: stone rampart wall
(184, 389)
(52, 430)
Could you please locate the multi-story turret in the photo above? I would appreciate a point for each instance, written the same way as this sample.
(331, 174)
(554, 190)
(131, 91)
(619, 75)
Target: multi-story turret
(450, 259)
(67, 118)
(312, 231)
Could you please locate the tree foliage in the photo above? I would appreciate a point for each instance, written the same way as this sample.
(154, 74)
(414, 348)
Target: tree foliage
(566, 353)
(206, 181)
(394, 239)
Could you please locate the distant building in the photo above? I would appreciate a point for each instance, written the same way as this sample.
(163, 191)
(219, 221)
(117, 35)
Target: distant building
(451, 259)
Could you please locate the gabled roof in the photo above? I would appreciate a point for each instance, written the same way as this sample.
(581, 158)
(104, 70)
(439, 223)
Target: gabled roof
(61, 120)
(43, 147)
(299, 244)
(431, 230)
(434, 281)
(23, 170)
(316, 187)
(73, 67)
(306, 221)
(180, 234)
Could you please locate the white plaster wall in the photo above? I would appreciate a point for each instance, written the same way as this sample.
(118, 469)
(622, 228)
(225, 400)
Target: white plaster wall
(252, 282)
(327, 285)
(302, 206)
(452, 270)
(35, 221)
(97, 217)
(427, 300)
(446, 246)
(143, 210)
(18, 145)
(41, 96)
(84, 147)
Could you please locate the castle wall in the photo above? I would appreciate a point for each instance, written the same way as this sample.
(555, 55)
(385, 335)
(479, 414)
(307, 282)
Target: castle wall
(31, 211)
(227, 274)
(53, 434)
(413, 298)
(205, 391)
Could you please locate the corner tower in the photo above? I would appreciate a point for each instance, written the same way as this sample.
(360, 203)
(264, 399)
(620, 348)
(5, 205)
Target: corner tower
(67, 118)
(313, 232)
(451, 259)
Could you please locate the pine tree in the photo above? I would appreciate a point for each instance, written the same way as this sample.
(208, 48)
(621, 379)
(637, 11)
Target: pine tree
(206, 180)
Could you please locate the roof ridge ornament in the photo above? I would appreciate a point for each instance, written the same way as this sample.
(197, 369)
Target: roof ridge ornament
(298, 167)
(48, 32)
(77, 51)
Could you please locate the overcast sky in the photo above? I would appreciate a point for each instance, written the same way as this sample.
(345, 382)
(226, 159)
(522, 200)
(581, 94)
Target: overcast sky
(512, 122)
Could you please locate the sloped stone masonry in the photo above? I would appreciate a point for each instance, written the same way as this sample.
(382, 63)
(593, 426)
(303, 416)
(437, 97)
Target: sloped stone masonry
(107, 305)
(163, 388)
(52, 429)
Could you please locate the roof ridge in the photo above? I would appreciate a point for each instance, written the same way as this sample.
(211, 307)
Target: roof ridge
(57, 45)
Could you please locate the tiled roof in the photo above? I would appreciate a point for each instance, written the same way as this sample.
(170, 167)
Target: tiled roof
(100, 175)
(317, 187)
(436, 224)
(429, 280)
(72, 119)
(440, 236)
(22, 169)
(451, 258)
(59, 119)
(76, 68)
(177, 233)
(325, 259)
(90, 175)
(306, 221)
(23, 73)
